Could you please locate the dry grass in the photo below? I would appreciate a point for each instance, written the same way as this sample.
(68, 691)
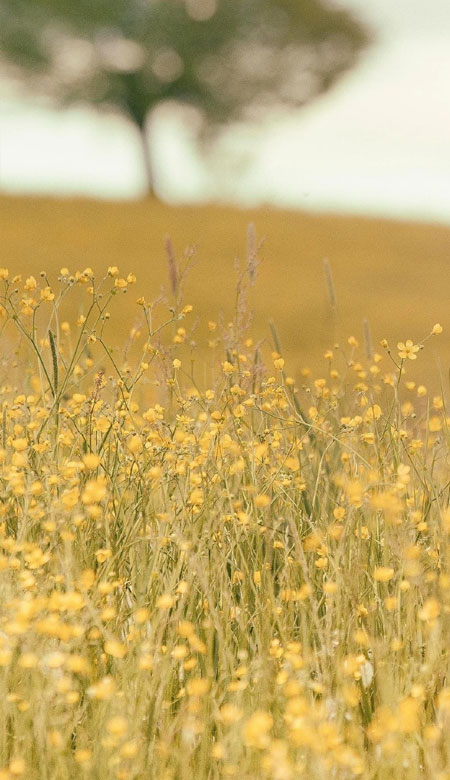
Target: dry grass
(395, 274)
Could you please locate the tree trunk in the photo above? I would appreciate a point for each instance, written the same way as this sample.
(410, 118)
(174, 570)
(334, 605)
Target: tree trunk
(147, 156)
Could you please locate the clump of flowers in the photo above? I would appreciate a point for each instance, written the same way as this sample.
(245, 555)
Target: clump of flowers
(215, 570)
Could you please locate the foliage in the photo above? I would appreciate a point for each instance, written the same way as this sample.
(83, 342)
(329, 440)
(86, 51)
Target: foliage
(233, 577)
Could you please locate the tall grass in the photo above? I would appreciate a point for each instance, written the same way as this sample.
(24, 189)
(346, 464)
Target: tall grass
(214, 570)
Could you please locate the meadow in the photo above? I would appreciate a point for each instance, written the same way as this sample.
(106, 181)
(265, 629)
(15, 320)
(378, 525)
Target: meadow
(396, 275)
(214, 562)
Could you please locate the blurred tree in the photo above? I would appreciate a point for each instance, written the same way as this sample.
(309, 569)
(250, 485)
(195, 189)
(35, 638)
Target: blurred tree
(231, 59)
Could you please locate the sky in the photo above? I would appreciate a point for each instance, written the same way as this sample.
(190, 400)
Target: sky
(378, 143)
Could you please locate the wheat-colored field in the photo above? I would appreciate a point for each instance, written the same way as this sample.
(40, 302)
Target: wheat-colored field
(212, 564)
(394, 274)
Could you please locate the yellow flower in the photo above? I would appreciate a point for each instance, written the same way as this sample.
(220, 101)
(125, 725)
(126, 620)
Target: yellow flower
(94, 491)
(166, 601)
(30, 283)
(117, 726)
(146, 662)
(256, 729)
(435, 424)
(134, 444)
(115, 648)
(229, 713)
(47, 294)
(407, 350)
(292, 463)
(83, 756)
(407, 719)
(198, 686)
(383, 574)
(103, 554)
(91, 461)
(20, 445)
(196, 497)
(430, 610)
(17, 767)
(373, 413)
(102, 690)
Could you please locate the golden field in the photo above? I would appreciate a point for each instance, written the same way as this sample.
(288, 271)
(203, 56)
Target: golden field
(213, 563)
(394, 274)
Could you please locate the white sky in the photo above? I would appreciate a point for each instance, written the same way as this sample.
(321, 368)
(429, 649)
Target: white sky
(378, 143)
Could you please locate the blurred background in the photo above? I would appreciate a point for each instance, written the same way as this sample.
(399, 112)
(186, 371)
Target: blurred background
(378, 142)
(167, 106)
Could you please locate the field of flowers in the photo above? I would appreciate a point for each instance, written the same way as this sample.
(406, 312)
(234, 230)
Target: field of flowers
(210, 567)
(394, 274)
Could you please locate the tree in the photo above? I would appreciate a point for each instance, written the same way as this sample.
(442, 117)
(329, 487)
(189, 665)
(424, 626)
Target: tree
(231, 59)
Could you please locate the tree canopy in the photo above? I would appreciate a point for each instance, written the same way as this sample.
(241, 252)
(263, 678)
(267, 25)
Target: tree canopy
(231, 59)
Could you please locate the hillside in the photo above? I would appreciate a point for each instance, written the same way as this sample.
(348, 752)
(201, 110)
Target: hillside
(396, 274)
